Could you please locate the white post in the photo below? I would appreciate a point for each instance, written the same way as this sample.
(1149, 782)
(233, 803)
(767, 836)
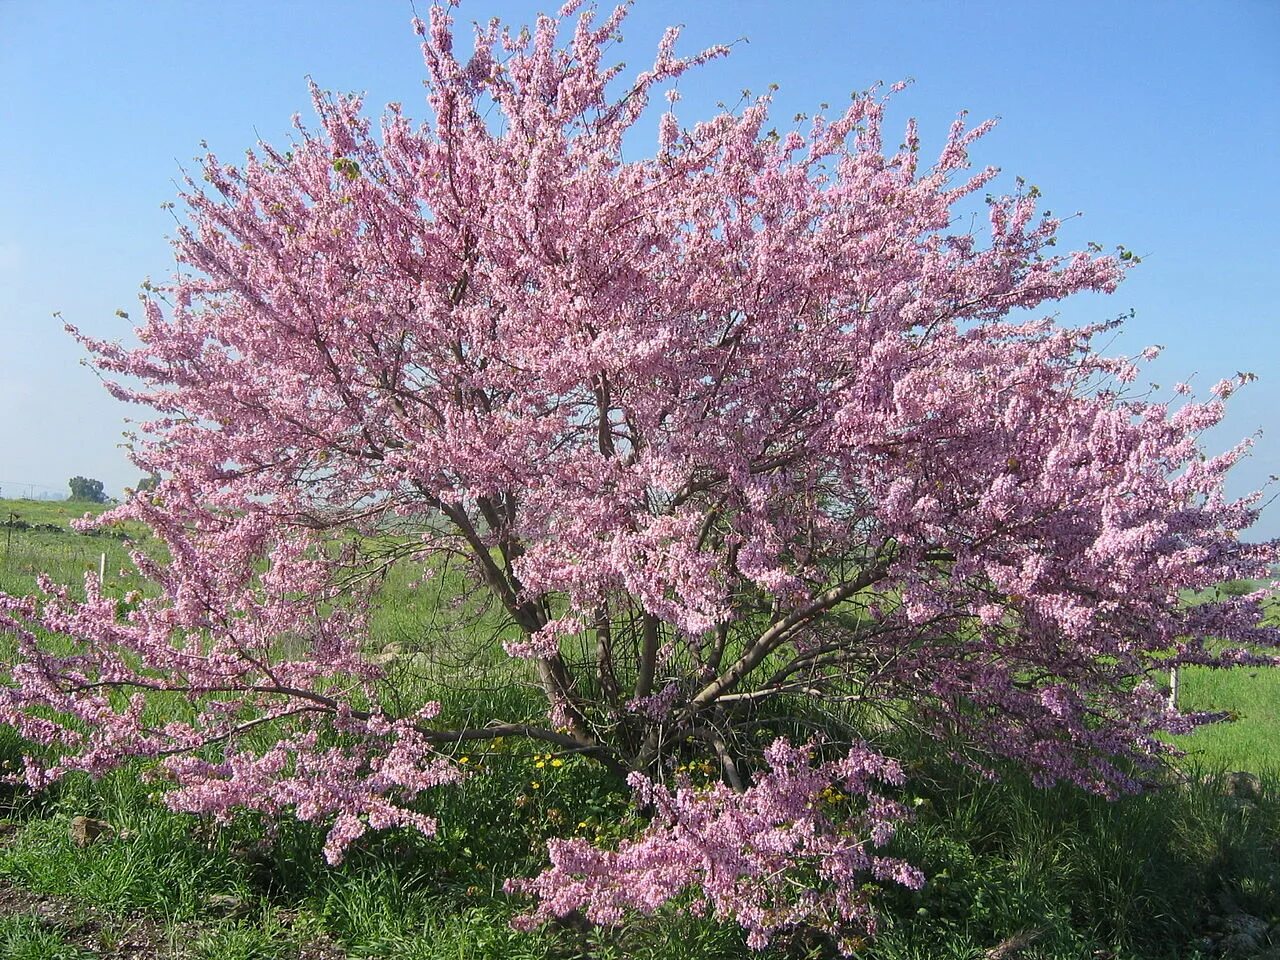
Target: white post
(1173, 688)
(102, 569)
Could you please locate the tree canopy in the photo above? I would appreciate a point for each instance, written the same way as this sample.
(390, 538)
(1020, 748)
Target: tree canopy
(86, 489)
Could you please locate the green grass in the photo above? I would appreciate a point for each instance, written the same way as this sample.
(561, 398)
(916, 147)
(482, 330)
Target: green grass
(1248, 696)
(1141, 878)
(1250, 740)
(398, 895)
(64, 555)
(25, 938)
(59, 512)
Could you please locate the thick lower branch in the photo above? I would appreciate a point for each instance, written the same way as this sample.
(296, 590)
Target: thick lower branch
(778, 634)
(606, 676)
(648, 655)
(727, 764)
(319, 703)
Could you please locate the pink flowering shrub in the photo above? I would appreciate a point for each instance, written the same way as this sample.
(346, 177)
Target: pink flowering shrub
(756, 419)
(739, 852)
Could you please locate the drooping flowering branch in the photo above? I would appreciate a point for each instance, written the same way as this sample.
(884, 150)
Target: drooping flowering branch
(738, 853)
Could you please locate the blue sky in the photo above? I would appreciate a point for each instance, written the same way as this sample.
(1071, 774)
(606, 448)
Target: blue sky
(1159, 120)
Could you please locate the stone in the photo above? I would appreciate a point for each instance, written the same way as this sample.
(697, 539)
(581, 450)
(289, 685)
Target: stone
(86, 830)
(225, 905)
(1245, 935)
(1014, 947)
(1243, 785)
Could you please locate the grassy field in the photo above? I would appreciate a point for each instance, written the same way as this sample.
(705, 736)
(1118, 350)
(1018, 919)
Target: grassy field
(1154, 876)
(36, 538)
(1249, 741)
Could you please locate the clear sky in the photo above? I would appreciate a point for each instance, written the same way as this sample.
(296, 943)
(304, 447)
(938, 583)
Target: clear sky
(1159, 120)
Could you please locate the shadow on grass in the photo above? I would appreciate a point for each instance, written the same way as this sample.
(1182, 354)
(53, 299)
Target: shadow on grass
(1152, 876)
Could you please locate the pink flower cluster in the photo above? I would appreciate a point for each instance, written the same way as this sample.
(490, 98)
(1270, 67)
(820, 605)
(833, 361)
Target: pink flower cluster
(353, 785)
(796, 847)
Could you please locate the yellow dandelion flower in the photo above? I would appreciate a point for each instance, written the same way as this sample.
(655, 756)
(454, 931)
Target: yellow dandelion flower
(557, 762)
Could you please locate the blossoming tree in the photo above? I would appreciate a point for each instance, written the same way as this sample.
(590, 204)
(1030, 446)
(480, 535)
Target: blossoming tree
(747, 421)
